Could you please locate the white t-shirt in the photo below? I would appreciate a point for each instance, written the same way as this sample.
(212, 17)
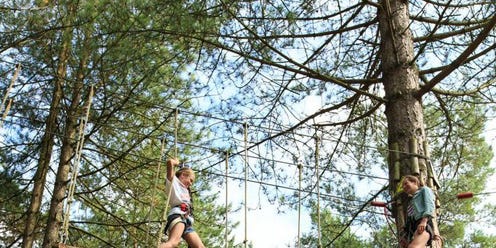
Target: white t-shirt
(178, 195)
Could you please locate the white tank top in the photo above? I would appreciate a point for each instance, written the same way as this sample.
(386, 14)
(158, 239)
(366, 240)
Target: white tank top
(178, 195)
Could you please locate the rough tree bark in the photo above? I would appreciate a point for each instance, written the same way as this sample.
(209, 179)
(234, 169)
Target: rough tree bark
(47, 142)
(403, 108)
(61, 180)
(69, 141)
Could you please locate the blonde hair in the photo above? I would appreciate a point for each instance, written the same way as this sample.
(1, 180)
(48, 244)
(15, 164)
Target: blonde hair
(414, 179)
(185, 171)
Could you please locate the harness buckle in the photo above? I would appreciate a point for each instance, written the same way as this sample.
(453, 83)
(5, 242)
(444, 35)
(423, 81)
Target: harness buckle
(184, 207)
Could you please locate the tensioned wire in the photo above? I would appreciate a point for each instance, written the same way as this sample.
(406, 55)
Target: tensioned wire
(218, 150)
(207, 148)
(278, 161)
(285, 187)
(279, 132)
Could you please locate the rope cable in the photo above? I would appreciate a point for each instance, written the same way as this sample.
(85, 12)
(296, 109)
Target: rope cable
(154, 190)
(283, 131)
(166, 208)
(317, 174)
(245, 129)
(176, 127)
(227, 202)
(300, 168)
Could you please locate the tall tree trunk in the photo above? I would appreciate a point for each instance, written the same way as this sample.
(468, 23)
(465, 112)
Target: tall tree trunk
(67, 151)
(47, 142)
(46, 149)
(404, 113)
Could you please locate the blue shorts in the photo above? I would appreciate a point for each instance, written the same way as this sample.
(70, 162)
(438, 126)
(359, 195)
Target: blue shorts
(173, 219)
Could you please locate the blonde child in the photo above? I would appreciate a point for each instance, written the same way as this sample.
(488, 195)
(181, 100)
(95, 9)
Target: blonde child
(180, 220)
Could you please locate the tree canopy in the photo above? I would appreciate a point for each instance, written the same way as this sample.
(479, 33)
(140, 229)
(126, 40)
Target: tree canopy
(347, 93)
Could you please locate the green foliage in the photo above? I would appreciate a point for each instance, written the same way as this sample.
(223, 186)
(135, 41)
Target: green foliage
(480, 239)
(274, 54)
(331, 226)
(134, 54)
(384, 238)
(462, 162)
(13, 200)
(463, 158)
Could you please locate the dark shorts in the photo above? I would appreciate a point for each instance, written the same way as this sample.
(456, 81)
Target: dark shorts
(411, 228)
(173, 219)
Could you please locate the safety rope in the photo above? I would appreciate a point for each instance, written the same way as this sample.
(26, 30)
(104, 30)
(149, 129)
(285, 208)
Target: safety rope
(300, 168)
(164, 214)
(245, 241)
(227, 201)
(317, 143)
(154, 192)
(75, 169)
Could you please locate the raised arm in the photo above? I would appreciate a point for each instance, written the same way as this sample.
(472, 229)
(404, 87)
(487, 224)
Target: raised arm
(171, 163)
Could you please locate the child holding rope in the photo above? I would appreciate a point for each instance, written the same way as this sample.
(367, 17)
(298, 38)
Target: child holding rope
(180, 219)
(419, 227)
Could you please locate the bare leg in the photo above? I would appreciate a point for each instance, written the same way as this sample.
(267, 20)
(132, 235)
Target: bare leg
(193, 240)
(174, 236)
(419, 240)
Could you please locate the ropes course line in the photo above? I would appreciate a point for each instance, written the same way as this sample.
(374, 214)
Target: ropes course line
(285, 187)
(317, 174)
(164, 214)
(281, 132)
(271, 160)
(154, 191)
(361, 202)
(233, 121)
(300, 168)
(262, 183)
(226, 234)
(245, 135)
(284, 162)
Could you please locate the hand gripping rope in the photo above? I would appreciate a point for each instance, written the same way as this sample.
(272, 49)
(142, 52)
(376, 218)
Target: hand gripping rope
(164, 214)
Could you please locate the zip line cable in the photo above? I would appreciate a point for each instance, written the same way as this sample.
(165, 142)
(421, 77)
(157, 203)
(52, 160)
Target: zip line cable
(278, 161)
(250, 156)
(280, 186)
(287, 187)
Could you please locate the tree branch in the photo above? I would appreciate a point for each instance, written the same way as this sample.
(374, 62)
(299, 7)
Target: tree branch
(458, 61)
